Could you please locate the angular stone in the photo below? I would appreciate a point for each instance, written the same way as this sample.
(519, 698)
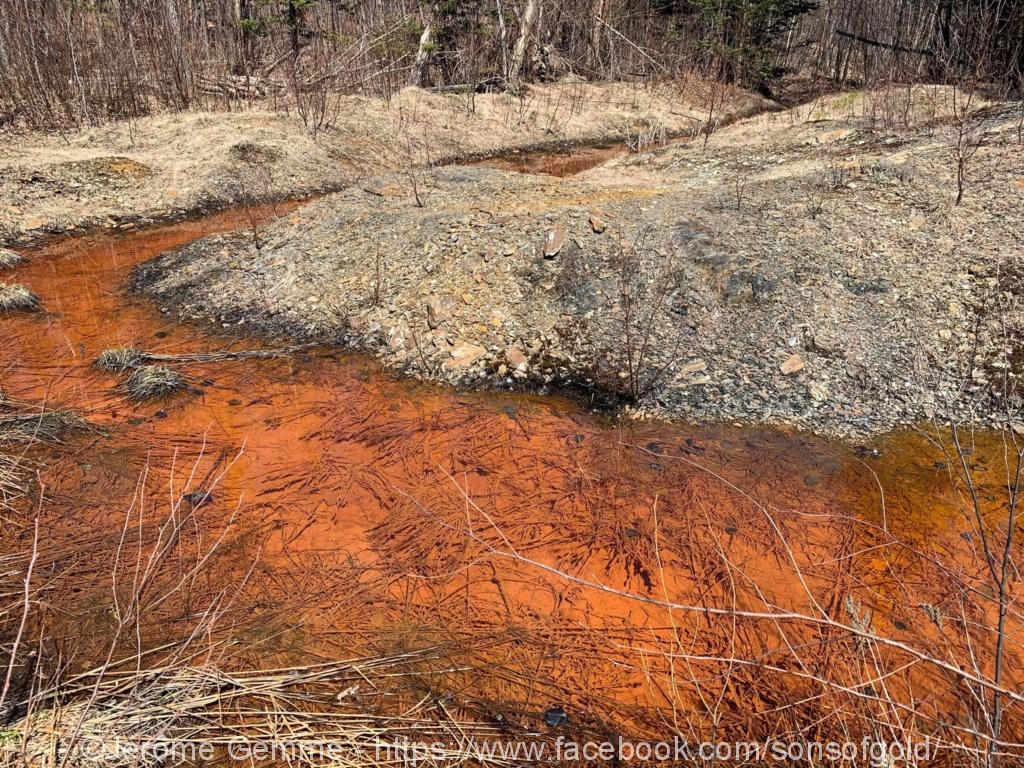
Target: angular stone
(793, 364)
(400, 337)
(597, 225)
(516, 358)
(818, 392)
(463, 354)
(554, 242)
(439, 309)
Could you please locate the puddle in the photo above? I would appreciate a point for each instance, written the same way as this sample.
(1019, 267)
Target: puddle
(568, 162)
(351, 513)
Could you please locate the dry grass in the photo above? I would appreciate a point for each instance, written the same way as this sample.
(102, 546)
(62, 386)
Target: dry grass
(333, 704)
(23, 425)
(150, 382)
(12, 480)
(46, 426)
(17, 298)
(10, 259)
(119, 359)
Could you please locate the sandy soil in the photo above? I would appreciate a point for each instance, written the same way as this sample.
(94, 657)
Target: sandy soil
(169, 165)
(808, 267)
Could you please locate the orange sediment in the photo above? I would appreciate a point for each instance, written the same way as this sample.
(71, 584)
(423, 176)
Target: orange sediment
(541, 545)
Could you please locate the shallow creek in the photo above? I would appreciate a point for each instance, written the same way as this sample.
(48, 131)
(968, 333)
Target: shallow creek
(350, 512)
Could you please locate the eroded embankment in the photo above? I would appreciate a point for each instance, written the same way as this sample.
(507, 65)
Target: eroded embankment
(511, 567)
(808, 268)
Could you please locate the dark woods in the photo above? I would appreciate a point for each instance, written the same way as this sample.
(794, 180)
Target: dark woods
(75, 62)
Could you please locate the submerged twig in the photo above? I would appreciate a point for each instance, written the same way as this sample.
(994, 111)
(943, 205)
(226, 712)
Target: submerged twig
(211, 357)
(121, 359)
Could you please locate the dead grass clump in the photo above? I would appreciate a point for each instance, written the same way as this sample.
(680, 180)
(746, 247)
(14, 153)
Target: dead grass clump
(119, 359)
(45, 426)
(150, 382)
(312, 706)
(10, 259)
(17, 298)
(12, 480)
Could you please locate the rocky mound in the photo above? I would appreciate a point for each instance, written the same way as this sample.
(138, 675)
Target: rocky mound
(168, 165)
(812, 272)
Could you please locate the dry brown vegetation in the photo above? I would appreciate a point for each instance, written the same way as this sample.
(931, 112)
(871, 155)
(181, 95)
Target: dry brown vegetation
(426, 569)
(78, 64)
(644, 614)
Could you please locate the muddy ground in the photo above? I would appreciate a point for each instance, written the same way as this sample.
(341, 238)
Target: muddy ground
(162, 167)
(807, 268)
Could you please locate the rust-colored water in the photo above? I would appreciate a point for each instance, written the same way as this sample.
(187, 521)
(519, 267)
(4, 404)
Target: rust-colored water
(565, 162)
(364, 514)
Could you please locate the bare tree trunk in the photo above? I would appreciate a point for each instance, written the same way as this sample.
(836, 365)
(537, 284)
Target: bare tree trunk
(503, 34)
(419, 67)
(293, 27)
(596, 28)
(515, 67)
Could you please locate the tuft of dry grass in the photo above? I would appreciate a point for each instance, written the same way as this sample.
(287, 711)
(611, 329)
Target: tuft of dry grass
(10, 259)
(17, 298)
(20, 425)
(12, 481)
(119, 359)
(47, 426)
(313, 706)
(150, 382)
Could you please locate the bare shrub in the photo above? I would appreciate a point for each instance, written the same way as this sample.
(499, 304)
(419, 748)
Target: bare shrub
(969, 134)
(645, 286)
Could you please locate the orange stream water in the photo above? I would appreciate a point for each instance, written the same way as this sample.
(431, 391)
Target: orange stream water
(372, 508)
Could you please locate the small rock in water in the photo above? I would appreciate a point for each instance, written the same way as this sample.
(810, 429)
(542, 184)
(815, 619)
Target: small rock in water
(198, 498)
(556, 716)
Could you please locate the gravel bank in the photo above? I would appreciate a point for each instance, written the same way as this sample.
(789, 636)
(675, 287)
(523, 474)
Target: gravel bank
(163, 167)
(808, 268)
